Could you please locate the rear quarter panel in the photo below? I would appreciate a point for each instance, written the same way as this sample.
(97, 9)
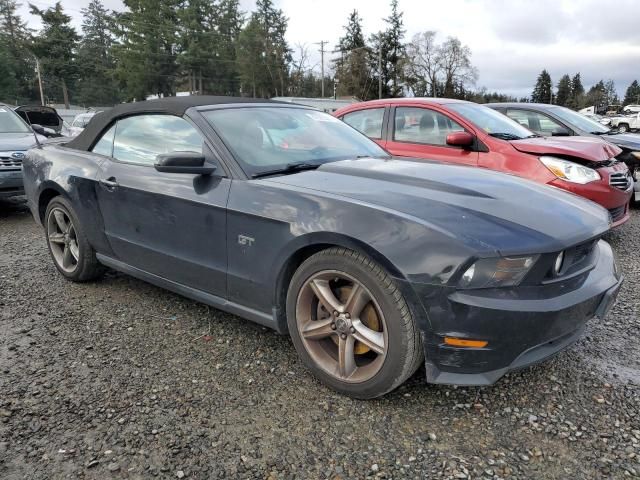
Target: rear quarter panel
(70, 173)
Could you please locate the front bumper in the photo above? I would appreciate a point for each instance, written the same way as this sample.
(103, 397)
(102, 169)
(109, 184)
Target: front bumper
(11, 183)
(521, 327)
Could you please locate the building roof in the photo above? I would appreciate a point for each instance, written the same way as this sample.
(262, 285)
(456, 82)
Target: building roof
(170, 105)
(532, 106)
(427, 100)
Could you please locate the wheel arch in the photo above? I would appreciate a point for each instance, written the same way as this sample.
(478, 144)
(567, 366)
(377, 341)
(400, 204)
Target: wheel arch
(48, 192)
(306, 246)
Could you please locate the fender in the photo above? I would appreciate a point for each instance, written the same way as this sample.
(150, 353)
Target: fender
(302, 247)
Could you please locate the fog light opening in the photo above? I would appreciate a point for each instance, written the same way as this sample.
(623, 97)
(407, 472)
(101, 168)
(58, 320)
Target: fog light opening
(557, 266)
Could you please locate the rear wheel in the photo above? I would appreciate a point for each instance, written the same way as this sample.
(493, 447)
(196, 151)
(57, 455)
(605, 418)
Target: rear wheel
(351, 325)
(623, 128)
(72, 255)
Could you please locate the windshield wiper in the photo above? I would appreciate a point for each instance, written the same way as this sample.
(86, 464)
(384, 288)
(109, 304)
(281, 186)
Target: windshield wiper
(288, 168)
(505, 136)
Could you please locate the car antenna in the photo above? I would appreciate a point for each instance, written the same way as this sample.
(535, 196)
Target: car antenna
(35, 135)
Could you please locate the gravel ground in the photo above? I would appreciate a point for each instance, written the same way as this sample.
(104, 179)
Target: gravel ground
(119, 379)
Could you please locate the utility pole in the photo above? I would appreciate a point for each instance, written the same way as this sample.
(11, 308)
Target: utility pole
(379, 65)
(40, 81)
(322, 43)
(380, 71)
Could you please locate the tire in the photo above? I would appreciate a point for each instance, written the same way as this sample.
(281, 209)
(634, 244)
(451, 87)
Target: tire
(68, 246)
(382, 335)
(623, 128)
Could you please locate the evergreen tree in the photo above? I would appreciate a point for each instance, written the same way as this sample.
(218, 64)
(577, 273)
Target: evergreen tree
(17, 64)
(611, 93)
(577, 89)
(564, 91)
(263, 53)
(277, 57)
(146, 55)
(543, 90)
(95, 60)
(198, 41)
(632, 95)
(249, 54)
(393, 50)
(576, 98)
(55, 46)
(597, 97)
(226, 80)
(353, 65)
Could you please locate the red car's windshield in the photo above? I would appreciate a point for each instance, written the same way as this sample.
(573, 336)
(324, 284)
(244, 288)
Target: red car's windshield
(494, 123)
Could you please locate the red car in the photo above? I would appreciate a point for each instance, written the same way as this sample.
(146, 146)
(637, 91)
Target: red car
(463, 132)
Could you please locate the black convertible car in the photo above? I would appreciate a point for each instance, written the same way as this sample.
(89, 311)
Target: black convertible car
(288, 217)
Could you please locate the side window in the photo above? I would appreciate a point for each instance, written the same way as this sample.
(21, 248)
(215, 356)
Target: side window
(367, 121)
(535, 121)
(104, 146)
(421, 125)
(141, 138)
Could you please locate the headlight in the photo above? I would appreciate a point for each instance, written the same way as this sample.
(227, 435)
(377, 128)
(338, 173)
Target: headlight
(497, 272)
(570, 171)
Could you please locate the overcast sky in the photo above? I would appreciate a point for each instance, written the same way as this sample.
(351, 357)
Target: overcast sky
(511, 40)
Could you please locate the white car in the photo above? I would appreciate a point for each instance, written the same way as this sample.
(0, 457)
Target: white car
(631, 109)
(626, 123)
(80, 122)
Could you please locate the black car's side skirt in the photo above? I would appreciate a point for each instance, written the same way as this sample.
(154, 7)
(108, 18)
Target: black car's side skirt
(198, 295)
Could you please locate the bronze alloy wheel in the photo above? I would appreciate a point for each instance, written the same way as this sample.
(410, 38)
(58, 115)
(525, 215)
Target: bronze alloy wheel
(341, 326)
(63, 242)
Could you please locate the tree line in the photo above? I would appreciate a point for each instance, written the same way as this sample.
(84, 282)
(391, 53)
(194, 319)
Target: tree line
(159, 47)
(570, 92)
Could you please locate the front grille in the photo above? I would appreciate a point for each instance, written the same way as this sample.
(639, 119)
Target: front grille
(620, 180)
(8, 163)
(617, 213)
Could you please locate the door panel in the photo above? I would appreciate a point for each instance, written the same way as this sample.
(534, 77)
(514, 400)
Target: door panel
(168, 224)
(420, 132)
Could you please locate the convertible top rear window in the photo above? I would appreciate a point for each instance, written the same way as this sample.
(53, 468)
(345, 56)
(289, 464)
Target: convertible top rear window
(266, 138)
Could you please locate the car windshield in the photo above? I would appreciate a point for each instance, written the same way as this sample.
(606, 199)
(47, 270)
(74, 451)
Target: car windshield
(578, 121)
(494, 123)
(10, 122)
(267, 139)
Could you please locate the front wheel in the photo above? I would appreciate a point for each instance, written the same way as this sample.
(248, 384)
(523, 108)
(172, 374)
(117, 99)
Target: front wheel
(351, 325)
(70, 250)
(623, 128)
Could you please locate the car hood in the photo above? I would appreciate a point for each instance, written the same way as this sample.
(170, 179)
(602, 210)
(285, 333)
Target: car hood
(17, 141)
(629, 141)
(585, 148)
(487, 210)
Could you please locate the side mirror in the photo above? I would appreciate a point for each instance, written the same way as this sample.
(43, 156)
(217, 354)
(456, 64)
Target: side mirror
(183, 162)
(560, 132)
(460, 139)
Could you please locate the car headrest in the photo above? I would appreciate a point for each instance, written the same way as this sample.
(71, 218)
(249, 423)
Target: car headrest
(426, 121)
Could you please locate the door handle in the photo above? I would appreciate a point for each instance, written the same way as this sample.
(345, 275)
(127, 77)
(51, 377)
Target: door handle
(110, 183)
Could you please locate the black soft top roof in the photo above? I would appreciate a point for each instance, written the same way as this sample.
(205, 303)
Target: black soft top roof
(170, 106)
